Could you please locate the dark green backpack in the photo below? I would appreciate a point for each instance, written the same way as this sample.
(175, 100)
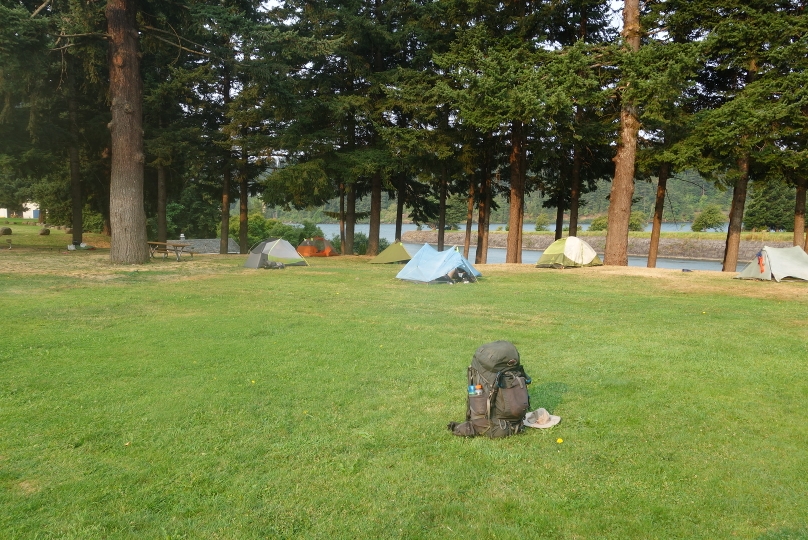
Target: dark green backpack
(501, 400)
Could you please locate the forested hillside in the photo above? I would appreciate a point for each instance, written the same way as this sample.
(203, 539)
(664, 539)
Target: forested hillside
(688, 194)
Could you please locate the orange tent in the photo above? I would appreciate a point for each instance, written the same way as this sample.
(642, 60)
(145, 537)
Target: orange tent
(316, 247)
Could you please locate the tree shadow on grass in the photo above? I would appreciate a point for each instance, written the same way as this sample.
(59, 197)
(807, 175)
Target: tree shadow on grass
(547, 395)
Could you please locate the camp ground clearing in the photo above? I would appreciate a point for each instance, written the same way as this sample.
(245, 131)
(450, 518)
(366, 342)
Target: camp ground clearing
(311, 402)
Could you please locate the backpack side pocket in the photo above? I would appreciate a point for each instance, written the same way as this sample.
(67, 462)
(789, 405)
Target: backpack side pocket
(513, 401)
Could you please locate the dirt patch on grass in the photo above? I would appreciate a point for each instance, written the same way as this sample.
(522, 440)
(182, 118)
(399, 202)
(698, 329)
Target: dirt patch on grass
(696, 281)
(95, 265)
(28, 487)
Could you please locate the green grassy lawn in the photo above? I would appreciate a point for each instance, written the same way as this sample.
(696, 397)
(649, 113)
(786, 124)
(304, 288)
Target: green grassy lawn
(25, 234)
(199, 399)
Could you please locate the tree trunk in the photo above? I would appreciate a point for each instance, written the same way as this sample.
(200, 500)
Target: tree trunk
(513, 253)
(736, 216)
(162, 198)
(402, 191)
(442, 210)
(128, 216)
(469, 218)
(103, 204)
(375, 214)
(224, 236)
(162, 222)
(575, 189)
(350, 220)
(799, 213)
(244, 200)
(659, 207)
(616, 250)
(483, 211)
(75, 165)
(559, 222)
(575, 180)
(342, 217)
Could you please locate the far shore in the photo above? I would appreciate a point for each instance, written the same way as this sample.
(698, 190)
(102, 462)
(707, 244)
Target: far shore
(673, 248)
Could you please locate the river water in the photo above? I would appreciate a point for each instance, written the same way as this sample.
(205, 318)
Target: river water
(530, 256)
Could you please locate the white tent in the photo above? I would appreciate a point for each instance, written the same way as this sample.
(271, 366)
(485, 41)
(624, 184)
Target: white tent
(777, 264)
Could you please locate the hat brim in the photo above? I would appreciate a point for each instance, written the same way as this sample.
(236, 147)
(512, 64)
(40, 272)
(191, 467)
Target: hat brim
(551, 421)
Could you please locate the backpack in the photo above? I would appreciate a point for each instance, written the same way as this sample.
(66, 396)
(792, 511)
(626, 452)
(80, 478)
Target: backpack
(497, 398)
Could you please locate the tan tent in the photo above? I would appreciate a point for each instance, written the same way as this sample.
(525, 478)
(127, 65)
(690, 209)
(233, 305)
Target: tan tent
(395, 253)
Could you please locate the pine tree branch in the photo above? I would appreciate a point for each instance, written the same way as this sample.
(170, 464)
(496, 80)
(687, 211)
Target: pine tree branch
(175, 34)
(40, 8)
(91, 34)
(180, 46)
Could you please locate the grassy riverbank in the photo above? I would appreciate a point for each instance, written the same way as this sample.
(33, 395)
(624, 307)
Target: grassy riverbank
(200, 399)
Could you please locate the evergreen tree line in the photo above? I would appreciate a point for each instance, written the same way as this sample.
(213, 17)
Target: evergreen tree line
(688, 194)
(158, 115)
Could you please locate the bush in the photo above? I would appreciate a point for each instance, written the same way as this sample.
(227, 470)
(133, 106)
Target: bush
(259, 228)
(92, 222)
(600, 223)
(710, 218)
(256, 228)
(542, 222)
(360, 243)
(290, 233)
(310, 229)
(637, 222)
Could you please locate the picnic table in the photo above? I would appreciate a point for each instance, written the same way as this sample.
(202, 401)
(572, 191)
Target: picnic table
(166, 247)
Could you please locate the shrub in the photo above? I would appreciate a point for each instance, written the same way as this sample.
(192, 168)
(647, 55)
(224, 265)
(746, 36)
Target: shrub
(336, 243)
(360, 243)
(637, 222)
(600, 223)
(92, 221)
(710, 218)
(542, 222)
(259, 228)
(310, 229)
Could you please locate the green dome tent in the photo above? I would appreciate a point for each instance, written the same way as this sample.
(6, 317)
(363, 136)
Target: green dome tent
(395, 253)
(570, 252)
(274, 250)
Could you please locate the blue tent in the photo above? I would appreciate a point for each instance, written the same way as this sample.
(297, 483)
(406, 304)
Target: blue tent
(432, 266)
